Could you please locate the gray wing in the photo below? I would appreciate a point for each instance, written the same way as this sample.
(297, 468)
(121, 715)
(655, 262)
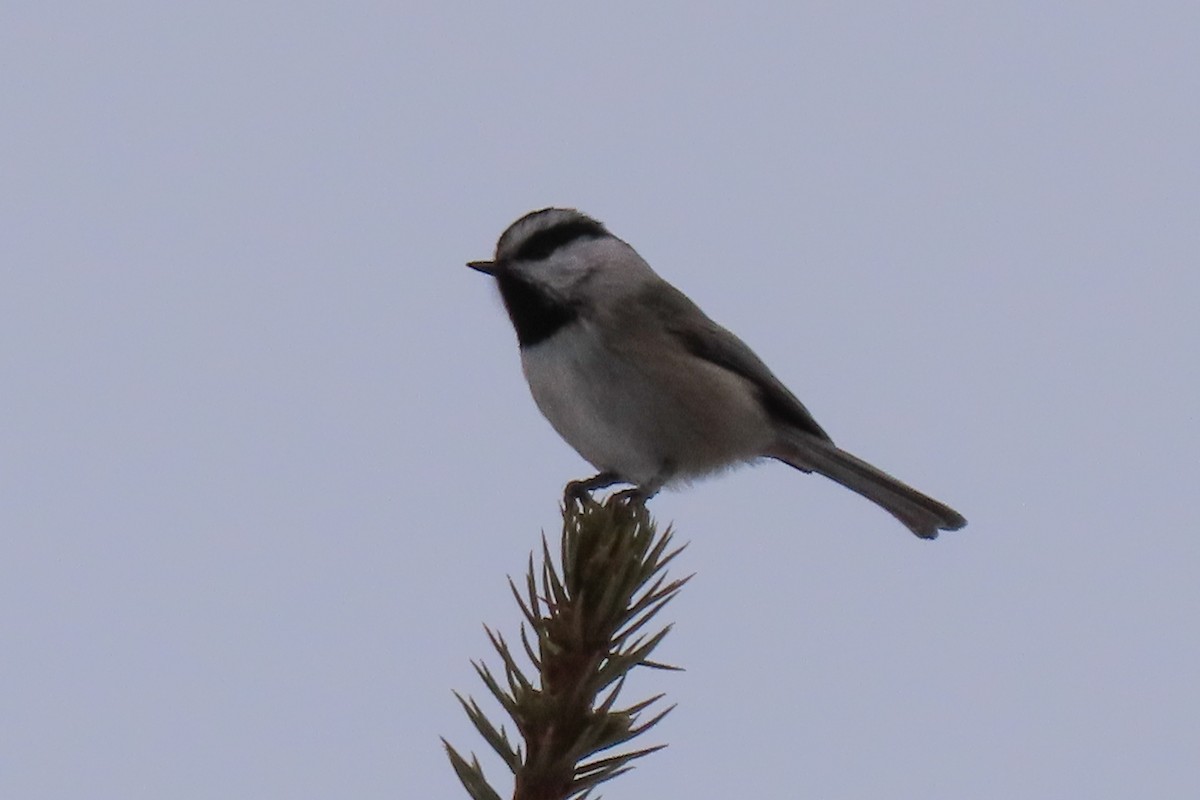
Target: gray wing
(684, 321)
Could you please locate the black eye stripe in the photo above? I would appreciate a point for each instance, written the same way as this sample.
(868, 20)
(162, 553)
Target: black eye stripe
(536, 314)
(543, 243)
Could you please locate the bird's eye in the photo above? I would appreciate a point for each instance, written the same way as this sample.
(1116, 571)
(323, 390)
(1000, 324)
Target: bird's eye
(543, 243)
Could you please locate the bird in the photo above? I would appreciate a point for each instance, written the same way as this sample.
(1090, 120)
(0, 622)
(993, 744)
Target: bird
(645, 386)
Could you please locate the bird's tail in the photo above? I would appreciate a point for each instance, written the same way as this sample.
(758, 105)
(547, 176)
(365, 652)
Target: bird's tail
(920, 513)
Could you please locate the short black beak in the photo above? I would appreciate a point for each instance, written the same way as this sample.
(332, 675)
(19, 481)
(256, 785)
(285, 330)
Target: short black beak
(486, 267)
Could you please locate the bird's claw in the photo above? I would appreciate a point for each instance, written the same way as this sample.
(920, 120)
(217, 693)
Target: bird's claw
(581, 491)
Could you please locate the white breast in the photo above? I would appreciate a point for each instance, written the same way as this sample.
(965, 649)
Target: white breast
(592, 400)
(649, 421)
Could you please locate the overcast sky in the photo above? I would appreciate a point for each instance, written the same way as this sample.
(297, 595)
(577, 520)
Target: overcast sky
(266, 455)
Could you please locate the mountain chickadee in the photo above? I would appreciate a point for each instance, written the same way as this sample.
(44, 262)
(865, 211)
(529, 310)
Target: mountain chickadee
(646, 387)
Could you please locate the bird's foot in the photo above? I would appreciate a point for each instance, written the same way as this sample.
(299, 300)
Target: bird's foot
(580, 491)
(637, 495)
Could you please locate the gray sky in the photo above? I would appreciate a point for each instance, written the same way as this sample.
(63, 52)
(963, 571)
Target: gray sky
(266, 455)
